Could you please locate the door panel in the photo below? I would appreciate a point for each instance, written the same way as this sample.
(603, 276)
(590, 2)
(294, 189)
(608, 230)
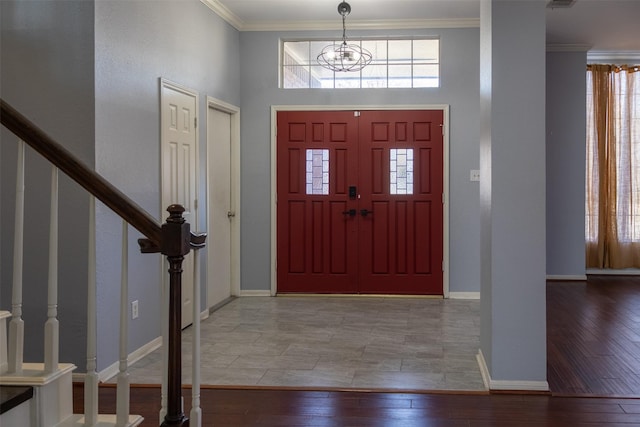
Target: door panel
(316, 241)
(386, 238)
(221, 214)
(179, 159)
(401, 241)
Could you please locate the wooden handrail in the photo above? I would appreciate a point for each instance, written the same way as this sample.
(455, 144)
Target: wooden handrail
(76, 170)
(173, 239)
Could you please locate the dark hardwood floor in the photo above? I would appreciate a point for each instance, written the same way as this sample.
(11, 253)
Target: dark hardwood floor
(593, 341)
(237, 408)
(593, 336)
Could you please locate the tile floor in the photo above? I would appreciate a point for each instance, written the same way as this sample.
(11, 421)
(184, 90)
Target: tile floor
(337, 342)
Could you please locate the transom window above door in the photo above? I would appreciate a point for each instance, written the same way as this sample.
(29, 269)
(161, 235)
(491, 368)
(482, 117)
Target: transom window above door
(396, 63)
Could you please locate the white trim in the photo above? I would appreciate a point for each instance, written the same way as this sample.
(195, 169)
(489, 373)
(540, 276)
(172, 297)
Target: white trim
(388, 24)
(204, 314)
(567, 277)
(613, 56)
(613, 272)
(445, 172)
(255, 293)
(464, 295)
(507, 384)
(568, 47)
(234, 112)
(112, 370)
(223, 12)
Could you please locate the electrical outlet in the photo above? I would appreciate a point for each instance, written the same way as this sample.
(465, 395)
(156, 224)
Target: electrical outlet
(474, 175)
(134, 309)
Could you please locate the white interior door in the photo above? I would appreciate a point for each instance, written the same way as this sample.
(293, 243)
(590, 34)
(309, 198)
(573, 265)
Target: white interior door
(223, 214)
(179, 170)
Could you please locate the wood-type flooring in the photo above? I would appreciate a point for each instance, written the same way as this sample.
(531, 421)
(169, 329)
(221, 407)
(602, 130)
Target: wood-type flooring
(593, 336)
(290, 408)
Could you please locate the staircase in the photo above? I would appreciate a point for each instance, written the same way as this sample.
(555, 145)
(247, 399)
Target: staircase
(40, 394)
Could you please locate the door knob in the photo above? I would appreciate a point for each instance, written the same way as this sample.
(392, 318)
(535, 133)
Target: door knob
(365, 212)
(350, 212)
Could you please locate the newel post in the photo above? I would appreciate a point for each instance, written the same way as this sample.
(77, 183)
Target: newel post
(175, 245)
(176, 242)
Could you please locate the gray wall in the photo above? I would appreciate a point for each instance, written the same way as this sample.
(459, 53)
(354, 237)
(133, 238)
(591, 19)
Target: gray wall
(566, 135)
(512, 156)
(459, 89)
(47, 74)
(89, 75)
(136, 44)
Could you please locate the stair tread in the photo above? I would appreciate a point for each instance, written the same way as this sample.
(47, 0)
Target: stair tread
(12, 396)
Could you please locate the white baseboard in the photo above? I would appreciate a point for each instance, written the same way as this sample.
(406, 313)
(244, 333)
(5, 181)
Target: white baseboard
(507, 385)
(113, 369)
(255, 293)
(464, 295)
(567, 277)
(612, 272)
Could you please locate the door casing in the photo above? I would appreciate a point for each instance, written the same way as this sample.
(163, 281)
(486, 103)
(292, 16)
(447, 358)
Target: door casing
(445, 171)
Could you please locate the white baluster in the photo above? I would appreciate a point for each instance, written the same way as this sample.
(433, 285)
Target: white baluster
(16, 326)
(164, 329)
(51, 326)
(91, 377)
(4, 365)
(122, 417)
(195, 416)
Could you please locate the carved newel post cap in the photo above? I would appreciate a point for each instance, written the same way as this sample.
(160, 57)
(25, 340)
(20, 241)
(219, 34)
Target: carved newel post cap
(175, 213)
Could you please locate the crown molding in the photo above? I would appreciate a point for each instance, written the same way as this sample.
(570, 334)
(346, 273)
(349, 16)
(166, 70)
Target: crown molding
(568, 47)
(399, 24)
(223, 12)
(613, 56)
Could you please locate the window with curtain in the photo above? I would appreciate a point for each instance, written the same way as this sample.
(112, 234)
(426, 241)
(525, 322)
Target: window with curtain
(613, 167)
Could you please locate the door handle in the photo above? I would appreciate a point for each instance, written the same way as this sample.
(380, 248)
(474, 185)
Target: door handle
(231, 214)
(365, 212)
(350, 212)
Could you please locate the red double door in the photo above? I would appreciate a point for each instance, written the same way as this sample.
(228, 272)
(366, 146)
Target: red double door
(359, 202)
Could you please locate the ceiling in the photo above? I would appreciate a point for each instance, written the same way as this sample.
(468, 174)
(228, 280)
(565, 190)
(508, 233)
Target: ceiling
(600, 25)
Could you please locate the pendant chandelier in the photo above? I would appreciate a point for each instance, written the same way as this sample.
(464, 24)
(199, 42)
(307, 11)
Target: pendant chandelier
(344, 56)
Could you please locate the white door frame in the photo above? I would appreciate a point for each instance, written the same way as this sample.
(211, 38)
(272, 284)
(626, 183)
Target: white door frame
(234, 112)
(164, 83)
(445, 172)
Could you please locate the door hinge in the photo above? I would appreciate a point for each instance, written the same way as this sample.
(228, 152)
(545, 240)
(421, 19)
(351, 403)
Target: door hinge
(356, 114)
(195, 204)
(442, 127)
(195, 122)
(442, 265)
(443, 198)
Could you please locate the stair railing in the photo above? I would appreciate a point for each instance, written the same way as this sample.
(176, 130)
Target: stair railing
(173, 239)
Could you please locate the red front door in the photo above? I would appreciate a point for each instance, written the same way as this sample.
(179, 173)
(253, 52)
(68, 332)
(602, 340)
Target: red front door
(359, 202)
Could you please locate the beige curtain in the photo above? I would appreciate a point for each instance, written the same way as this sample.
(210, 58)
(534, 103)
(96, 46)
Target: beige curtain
(613, 167)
